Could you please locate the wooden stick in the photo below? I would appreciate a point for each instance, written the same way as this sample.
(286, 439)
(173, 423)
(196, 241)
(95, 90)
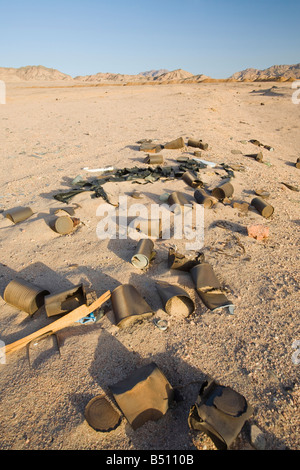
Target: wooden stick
(63, 322)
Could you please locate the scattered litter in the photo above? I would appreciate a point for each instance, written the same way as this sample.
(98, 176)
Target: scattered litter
(208, 287)
(150, 147)
(143, 396)
(291, 187)
(176, 301)
(64, 224)
(161, 324)
(220, 412)
(175, 144)
(24, 296)
(77, 179)
(297, 164)
(101, 415)
(57, 325)
(19, 214)
(97, 170)
(154, 159)
(259, 144)
(259, 232)
(192, 180)
(197, 143)
(144, 254)
(205, 162)
(223, 191)
(265, 209)
(129, 306)
(257, 156)
(201, 197)
(262, 193)
(65, 301)
(243, 207)
(183, 262)
(236, 152)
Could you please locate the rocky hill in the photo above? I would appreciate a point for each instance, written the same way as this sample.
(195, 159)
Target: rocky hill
(32, 73)
(276, 72)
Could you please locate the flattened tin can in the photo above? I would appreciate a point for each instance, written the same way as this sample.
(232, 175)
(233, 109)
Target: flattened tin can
(145, 395)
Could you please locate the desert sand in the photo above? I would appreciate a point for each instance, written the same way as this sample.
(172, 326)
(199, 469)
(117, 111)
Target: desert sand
(51, 132)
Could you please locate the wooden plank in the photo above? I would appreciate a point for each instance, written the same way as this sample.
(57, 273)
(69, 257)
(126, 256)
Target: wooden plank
(59, 324)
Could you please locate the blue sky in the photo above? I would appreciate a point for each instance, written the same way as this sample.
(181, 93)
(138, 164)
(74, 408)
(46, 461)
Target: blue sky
(216, 38)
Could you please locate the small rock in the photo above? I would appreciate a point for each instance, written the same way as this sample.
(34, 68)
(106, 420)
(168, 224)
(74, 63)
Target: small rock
(257, 438)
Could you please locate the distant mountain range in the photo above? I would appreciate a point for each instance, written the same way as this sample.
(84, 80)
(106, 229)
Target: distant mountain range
(39, 73)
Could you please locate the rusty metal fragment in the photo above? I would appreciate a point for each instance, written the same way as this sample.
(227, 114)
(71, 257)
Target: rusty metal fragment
(209, 288)
(143, 396)
(65, 301)
(220, 412)
(183, 262)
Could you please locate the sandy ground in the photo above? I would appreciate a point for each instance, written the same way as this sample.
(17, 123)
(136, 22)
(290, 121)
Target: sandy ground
(50, 134)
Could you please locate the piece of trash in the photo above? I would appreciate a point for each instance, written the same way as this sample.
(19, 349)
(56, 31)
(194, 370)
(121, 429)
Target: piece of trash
(236, 152)
(243, 206)
(161, 324)
(24, 296)
(76, 180)
(178, 200)
(59, 324)
(182, 159)
(18, 214)
(259, 232)
(145, 395)
(297, 164)
(164, 197)
(154, 159)
(136, 194)
(262, 193)
(129, 306)
(291, 187)
(208, 287)
(101, 415)
(150, 147)
(64, 224)
(151, 228)
(257, 156)
(201, 197)
(97, 170)
(64, 301)
(259, 144)
(223, 191)
(183, 262)
(176, 301)
(190, 179)
(197, 143)
(144, 254)
(220, 412)
(175, 144)
(265, 209)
